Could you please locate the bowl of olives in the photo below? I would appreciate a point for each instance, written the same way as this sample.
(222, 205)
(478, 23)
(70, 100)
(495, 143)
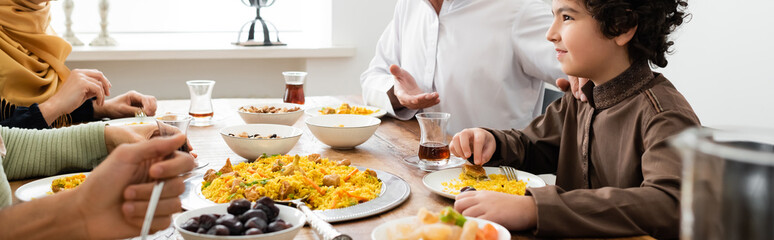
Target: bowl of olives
(241, 219)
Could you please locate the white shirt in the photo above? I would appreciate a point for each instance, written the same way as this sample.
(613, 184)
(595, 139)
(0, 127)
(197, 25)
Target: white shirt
(487, 59)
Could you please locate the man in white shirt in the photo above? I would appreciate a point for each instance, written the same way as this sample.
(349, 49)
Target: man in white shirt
(483, 61)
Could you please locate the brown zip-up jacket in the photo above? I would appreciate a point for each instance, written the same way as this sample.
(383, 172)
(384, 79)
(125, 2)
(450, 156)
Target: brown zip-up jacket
(616, 174)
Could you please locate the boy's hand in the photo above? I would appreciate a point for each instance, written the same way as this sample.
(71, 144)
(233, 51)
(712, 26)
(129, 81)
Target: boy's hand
(574, 84)
(408, 92)
(476, 141)
(489, 205)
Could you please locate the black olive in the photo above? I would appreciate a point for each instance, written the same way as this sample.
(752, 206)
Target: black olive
(238, 206)
(254, 213)
(218, 230)
(256, 223)
(227, 220)
(273, 136)
(467, 188)
(253, 231)
(191, 225)
(206, 221)
(201, 230)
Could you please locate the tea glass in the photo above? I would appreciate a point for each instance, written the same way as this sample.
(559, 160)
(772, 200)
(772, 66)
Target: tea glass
(727, 184)
(433, 143)
(294, 87)
(171, 123)
(201, 101)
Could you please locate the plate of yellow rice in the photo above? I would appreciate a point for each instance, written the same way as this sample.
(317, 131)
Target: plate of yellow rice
(335, 190)
(448, 182)
(48, 186)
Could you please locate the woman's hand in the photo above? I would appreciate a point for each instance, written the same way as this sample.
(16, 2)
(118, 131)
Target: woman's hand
(126, 105)
(113, 200)
(117, 135)
(83, 84)
(511, 211)
(476, 141)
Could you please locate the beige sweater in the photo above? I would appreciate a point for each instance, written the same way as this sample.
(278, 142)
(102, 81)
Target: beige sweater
(37, 153)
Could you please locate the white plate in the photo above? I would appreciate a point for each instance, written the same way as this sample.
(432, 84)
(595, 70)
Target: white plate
(131, 120)
(315, 111)
(434, 180)
(39, 188)
(394, 191)
(381, 231)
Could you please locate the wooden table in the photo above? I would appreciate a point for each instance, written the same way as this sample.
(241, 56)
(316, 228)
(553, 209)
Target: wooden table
(393, 140)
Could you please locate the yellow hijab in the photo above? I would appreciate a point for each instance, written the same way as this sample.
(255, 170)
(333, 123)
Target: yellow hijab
(32, 60)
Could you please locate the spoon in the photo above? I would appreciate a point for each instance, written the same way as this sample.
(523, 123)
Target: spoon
(323, 228)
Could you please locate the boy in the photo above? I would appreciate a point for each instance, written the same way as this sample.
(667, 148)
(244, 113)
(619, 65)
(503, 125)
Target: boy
(616, 175)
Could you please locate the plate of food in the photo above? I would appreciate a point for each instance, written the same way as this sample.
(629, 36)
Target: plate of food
(49, 186)
(447, 224)
(346, 108)
(334, 190)
(450, 182)
(131, 121)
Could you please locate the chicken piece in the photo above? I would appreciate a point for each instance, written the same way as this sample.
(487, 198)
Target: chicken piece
(370, 172)
(226, 168)
(314, 158)
(210, 175)
(252, 193)
(474, 171)
(285, 189)
(427, 217)
(344, 162)
(235, 185)
(293, 167)
(332, 180)
(328, 110)
(277, 165)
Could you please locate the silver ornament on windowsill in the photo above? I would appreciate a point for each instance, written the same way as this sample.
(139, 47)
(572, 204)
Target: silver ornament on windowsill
(103, 39)
(262, 24)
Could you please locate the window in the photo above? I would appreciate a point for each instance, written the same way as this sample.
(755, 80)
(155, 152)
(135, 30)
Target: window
(303, 19)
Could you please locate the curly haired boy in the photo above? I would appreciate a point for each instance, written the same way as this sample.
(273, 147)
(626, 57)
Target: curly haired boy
(616, 175)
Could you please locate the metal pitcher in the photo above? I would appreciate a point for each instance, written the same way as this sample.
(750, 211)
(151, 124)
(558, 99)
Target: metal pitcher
(727, 184)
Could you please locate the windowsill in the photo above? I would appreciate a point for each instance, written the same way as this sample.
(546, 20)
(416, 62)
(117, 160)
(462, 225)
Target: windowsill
(168, 46)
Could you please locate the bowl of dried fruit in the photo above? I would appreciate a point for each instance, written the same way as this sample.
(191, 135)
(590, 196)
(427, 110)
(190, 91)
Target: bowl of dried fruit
(253, 140)
(242, 220)
(272, 113)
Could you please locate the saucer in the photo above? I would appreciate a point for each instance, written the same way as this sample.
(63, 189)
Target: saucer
(451, 163)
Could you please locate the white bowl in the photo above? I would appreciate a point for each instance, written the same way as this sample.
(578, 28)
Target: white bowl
(252, 148)
(288, 214)
(342, 131)
(288, 118)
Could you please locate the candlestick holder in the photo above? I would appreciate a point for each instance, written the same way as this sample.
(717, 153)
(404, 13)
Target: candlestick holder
(258, 4)
(103, 39)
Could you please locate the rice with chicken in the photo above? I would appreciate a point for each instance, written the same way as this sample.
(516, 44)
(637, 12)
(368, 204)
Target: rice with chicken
(496, 182)
(328, 184)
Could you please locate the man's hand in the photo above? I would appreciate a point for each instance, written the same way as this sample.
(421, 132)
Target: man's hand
(81, 85)
(521, 211)
(113, 200)
(574, 84)
(126, 105)
(408, 92)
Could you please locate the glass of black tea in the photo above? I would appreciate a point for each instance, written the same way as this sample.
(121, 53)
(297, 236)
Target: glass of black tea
(294, 87)
(433, 143)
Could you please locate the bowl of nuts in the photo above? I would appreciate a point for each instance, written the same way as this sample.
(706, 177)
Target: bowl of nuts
(242, 220)
(273, 113)
(253, 140)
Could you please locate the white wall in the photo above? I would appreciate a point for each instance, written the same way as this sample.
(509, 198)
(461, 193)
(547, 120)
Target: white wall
(723, 62)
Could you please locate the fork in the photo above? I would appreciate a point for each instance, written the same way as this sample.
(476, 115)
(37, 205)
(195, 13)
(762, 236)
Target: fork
(140, 113)
(320, 226)
(509, 172)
